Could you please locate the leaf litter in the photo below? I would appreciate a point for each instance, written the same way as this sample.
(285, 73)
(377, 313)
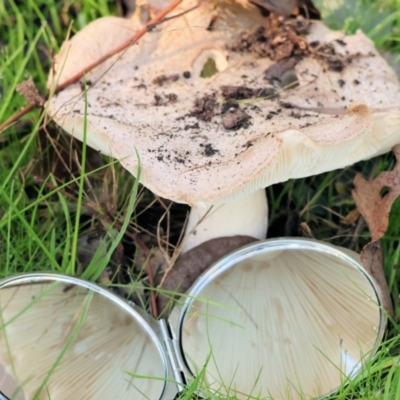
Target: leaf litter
(375, 205)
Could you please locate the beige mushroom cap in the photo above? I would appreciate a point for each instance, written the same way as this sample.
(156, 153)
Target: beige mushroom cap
(144, 99)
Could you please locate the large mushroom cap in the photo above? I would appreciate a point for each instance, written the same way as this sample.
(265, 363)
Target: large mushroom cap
(201, 139)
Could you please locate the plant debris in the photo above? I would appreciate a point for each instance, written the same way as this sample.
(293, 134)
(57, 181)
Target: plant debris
(204, 107)
(374, 207)
(284, 39)
(372, 260)
(327, 53)
(244, 92)
(233, 117)
(285, 43)
(164, 79)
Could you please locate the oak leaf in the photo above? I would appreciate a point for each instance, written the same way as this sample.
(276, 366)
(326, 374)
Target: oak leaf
(373, 207)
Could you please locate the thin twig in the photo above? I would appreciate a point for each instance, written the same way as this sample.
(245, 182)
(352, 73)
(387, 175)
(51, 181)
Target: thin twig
(17, 116)
(139, 34)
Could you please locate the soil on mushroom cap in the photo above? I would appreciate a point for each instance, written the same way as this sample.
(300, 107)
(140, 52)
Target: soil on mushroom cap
(285, 39)
(244, 92)
(163, 79)
(204, 107)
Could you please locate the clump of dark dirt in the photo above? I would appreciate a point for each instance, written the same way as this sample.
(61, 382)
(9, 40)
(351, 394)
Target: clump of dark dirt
(85, 84)
(244, 92)
(209, 150)
(191, 126)
(204, 107)
(172, 97)
(165, 99)
(163, 79)
(285, 40)
(233, 117)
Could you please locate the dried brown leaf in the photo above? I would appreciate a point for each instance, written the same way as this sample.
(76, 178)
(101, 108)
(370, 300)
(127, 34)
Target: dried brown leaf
(351, 217)
(372, 260)
(374, 207)
(305, 230)
(193, 263)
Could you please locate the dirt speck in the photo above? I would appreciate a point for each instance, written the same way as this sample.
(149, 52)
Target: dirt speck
(244, 92)
(172, 97)
(179, 160)
(271, 115)
(204, 107)
(82, 84)
(209, 150)
(193, 126)
(341, 42)
(285, 104)
(165, 99)
(164, 79)
(336, 62)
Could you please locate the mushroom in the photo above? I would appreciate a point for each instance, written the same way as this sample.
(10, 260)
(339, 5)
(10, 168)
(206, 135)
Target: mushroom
(281, 319)
(221, 102)
(62, 340)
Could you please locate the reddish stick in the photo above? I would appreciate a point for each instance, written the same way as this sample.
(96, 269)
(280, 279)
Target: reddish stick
(157, 19)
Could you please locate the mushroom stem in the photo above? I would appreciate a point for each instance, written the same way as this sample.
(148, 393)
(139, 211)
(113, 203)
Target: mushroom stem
(247, 215)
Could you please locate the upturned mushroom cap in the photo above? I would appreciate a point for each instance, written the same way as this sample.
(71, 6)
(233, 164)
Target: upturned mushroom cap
(60, 341)
(201, 140)
(290, 320)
